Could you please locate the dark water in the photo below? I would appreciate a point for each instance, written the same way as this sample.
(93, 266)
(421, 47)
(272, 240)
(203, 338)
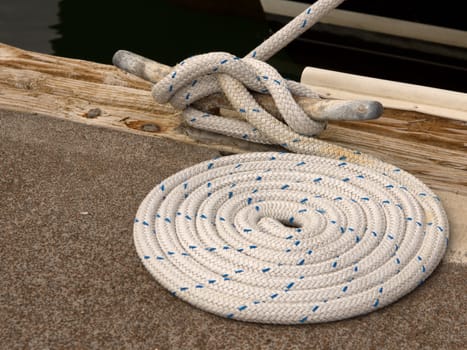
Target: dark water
(166, 31)
(170, 30)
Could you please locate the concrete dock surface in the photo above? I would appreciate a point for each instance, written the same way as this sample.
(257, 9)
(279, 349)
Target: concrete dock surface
(71, 278)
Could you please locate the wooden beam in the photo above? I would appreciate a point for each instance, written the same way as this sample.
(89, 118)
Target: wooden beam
(430, 147)
(372, 23)
(423, 99)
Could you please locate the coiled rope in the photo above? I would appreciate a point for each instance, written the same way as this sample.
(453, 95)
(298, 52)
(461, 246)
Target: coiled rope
(286, 238)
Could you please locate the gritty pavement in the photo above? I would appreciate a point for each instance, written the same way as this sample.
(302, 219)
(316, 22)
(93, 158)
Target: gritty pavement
(71, 278)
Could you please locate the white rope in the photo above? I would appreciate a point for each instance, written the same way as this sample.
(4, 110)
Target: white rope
(277, 237)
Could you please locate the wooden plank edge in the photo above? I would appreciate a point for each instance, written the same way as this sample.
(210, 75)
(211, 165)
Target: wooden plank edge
(373, 23)
(438, 102)
(69, 89)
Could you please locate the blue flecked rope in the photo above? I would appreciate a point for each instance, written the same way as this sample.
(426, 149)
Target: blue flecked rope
(278, 237)
(201, 76)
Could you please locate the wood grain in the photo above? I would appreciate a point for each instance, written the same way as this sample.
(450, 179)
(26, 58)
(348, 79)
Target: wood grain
(432, 148)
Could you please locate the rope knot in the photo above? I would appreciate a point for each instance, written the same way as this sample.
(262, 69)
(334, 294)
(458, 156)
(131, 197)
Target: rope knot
(245, 82)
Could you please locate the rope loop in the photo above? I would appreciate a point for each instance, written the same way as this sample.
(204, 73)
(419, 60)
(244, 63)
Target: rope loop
(199, 76)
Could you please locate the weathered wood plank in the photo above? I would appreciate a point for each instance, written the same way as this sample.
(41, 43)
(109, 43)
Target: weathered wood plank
(434, 149)
(397, 95)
